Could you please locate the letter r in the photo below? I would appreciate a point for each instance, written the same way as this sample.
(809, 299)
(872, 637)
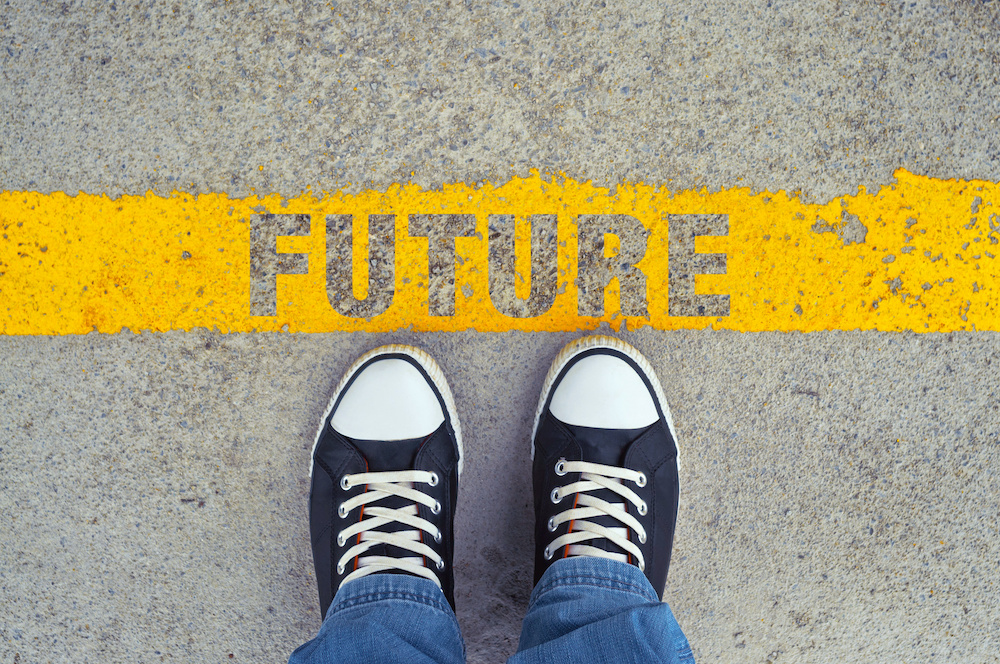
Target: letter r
(596, 270)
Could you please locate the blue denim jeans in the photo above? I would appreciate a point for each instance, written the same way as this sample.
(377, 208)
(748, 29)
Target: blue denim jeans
(582, 610)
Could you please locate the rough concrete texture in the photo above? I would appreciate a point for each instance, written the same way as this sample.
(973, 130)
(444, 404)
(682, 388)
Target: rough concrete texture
(839, 497)
(840, 490)
(775, 95)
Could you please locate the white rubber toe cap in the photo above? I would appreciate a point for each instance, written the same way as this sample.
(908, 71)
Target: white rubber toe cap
(605, 392)
(389, 400)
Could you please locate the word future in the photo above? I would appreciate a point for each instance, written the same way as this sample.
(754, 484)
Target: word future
(598, 262)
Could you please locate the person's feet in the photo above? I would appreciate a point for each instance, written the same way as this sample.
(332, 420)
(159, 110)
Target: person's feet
(604, 460)
(385, 470)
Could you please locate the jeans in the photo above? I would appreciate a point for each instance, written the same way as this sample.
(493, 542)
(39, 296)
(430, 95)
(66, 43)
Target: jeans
(582, 610)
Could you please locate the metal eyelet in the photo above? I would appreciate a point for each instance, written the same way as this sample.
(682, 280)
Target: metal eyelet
(643, 509)
(340, 540)
(440, 564)
(552, 525)
(434, 479)
(342, 511)
(547, 553)
(437, 508)
(555, 495)
(642, 538)
(642, 566)
(561, 467)
(340, 568)
(437, 537)
(344, 484)
(642, 480)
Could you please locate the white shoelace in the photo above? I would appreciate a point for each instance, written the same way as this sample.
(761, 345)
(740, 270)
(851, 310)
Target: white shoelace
(593, 477)
(384, 485)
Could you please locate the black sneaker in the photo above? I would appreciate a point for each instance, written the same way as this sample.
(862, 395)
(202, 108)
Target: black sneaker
(604, 460)
(385, 474)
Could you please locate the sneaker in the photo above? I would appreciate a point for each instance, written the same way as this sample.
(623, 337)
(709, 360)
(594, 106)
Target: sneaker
(604, 458)
(384, 472)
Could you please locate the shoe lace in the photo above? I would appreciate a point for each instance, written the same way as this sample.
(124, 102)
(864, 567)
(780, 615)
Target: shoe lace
(593, 477)
(380, 486)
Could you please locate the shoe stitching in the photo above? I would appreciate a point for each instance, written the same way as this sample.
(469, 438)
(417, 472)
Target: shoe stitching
(426, 450)
(352, 450)
(667, 456)
(325, 466)
(570, 444)
(641, 448)
(651, 500)
(355, 456)
(332, 524)
(429, 451)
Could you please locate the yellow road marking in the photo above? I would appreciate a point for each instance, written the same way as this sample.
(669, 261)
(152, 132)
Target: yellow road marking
(927, 262)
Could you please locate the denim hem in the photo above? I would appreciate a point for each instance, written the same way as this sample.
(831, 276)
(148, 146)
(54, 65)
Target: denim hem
(594, 572)
(386, 618)
(385, 586)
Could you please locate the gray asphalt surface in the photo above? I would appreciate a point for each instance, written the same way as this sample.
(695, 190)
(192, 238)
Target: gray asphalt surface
(840, 490)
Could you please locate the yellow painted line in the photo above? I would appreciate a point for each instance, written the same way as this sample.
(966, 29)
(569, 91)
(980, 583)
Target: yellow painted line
(918, 255)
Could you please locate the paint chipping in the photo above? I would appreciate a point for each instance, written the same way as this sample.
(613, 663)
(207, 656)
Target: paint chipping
(533, 254)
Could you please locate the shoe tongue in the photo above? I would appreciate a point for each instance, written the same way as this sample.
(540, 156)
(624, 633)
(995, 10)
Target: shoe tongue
(383, 456)
(607, 447)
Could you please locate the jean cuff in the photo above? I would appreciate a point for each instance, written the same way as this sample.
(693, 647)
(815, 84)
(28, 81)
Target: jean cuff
(595, 572)
(383, 586)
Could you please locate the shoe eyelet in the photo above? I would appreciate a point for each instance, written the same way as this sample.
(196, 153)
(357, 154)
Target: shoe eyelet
(340, 568)
(642, 566)
(555, 495)
(561, 467)
(437, 508)
(643, 509)
(642, 480)
(552, 525)
(341, 540)
(341, 511)
(547, 553)
(344, 484)
(434, 479)
(437, 537)
(440, 564)
(642, 538)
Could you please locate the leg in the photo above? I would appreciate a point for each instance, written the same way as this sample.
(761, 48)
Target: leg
(385, 470)
(598, 610)
(606, 491)
(386, 619)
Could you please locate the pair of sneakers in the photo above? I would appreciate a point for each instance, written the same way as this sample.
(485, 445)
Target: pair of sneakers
(388, 457)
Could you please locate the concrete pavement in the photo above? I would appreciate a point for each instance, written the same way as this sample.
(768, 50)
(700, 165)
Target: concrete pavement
(840, 489)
